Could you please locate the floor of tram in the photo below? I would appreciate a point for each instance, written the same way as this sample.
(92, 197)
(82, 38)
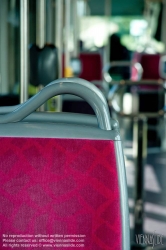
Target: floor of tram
(155, 193)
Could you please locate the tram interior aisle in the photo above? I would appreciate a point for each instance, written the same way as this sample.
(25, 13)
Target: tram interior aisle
(120, 48)
(155, 192)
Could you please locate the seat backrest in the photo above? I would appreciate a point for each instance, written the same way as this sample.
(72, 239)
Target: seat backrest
(63, 185)
(91, 64)
(150, 65)
(43, 64)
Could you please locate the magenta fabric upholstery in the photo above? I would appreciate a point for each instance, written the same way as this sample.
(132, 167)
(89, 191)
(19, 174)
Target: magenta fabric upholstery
(91, 66)
(60, 187)
(150, 64)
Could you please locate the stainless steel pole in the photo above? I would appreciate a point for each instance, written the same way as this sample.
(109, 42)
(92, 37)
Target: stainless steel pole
(24, 51)
(59, 43)
(4, 79)
(108, 8)
(67, 33)
(163, 31)
(40, 30)
(140, 155)
(59, 33)
(75, 28)
(49, 21)
(40, 22)
(108, 5)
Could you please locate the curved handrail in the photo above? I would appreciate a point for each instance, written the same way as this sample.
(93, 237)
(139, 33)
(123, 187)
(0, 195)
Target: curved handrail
(75, 86)
(116, 88)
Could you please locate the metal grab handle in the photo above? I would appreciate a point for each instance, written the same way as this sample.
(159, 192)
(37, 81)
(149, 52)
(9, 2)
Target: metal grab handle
(113, 64)
(75, 86)
(153, 82)
(116, 88)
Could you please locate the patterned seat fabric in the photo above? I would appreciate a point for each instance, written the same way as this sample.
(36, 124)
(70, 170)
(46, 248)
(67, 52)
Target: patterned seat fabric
(60, 189)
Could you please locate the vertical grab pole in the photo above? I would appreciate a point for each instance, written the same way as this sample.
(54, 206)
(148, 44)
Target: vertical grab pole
(49, 21)
(163, 32)
(59, 43)
(108, 12)
(40, 29)
(59, 33)
(40, 22)
(140, 154)
(75, 28)
(4, 56)
(67, 35)
(24, 51)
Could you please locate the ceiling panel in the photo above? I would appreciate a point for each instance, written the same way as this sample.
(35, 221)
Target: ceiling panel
(119, 7)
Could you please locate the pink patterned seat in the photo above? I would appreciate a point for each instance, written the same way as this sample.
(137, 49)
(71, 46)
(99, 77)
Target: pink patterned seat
(60, 192)
(61, 186)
